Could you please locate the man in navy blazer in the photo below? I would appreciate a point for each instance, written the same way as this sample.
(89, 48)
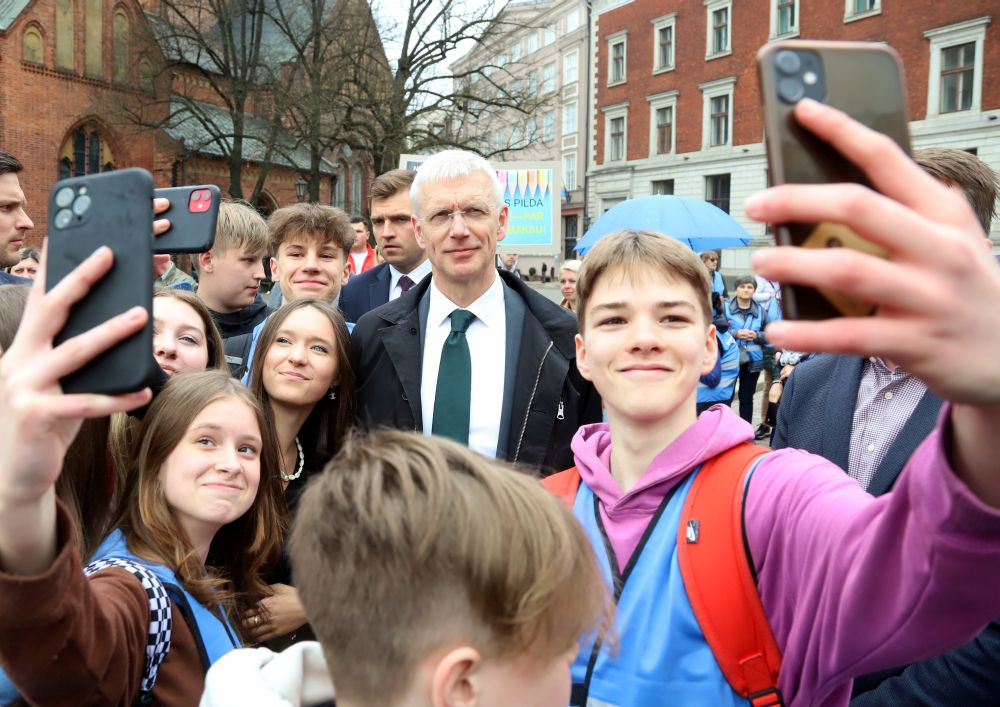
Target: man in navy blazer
(405, 263)
(830, 399)
(14, 221)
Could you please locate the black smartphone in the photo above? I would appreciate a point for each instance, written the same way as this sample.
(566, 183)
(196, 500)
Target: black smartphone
(864, 80)
(112, 209)
(193, 214)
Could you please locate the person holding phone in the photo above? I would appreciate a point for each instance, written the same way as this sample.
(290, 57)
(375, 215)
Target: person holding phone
(206, 466)
(303, 376)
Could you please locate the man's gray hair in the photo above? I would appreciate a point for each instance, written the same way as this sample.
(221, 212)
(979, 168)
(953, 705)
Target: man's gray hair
(451, 164)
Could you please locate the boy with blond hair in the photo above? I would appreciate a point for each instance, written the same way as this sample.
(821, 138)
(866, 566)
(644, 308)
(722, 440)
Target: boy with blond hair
(432, 576)
(842, 583)
(229, 274)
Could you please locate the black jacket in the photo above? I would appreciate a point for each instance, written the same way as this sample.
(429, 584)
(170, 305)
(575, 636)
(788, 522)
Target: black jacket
(365, 291)
(241, 321)
(548, 401)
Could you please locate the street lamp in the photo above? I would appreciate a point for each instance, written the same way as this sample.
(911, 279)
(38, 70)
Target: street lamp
(300, 188)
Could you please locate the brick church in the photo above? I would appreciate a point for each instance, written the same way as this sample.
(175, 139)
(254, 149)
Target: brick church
(70, 71)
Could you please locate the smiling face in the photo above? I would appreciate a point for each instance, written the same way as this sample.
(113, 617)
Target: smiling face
(644, 346)
(300, 366)
(14, 221)
(211, 476)
(179, 340)
(309, 268)
(462, 249)
(394, 231)
(26, 268)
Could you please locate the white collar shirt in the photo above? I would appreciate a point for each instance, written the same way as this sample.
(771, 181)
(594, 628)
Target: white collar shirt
(417, 274)
(487, 337)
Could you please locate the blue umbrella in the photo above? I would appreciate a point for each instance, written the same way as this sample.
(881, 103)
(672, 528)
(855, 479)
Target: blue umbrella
(699, 224)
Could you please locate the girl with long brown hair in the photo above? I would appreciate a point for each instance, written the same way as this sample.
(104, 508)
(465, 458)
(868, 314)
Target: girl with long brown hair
(195, 523)
(302, 374)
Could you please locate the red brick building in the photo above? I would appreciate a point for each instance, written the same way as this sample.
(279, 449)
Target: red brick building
(677, 101)
(66, 69)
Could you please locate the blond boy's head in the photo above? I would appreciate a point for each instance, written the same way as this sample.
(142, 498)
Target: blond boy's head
(421, 564)
(230, 273)
(635, 255)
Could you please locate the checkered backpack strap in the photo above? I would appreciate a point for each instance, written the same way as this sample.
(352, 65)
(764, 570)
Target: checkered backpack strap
(160, 618)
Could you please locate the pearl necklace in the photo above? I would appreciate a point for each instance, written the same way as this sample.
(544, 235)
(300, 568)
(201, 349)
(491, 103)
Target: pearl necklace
(302, 462)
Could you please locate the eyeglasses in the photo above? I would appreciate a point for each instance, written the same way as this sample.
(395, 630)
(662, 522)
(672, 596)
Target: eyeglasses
(474, 215)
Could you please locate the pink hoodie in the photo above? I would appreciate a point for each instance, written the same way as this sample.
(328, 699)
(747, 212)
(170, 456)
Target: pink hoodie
(850, 583)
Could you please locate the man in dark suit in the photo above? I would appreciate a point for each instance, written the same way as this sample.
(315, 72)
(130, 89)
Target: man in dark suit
(471, 353)
(868, 416)
(14, 221)
(405, 263)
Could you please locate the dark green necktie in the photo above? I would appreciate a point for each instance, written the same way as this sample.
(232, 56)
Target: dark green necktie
(454, 384)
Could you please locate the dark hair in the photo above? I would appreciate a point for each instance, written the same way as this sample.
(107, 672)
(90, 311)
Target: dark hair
(9, 163)
(323, 431)
(962, 169)
(32, 253)
(358, 218)
(745, 280)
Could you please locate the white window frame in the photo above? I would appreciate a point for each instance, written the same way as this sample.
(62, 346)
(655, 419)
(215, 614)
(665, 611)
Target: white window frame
(548, 121)
(576, 23)
(549, 34)
(516, 51)
(532, 41)
(941, 38)
(569, 175)
(547, 85)
(614, 40)
(663, 23)
(850, 15)
(667, 99)
(712, 6)
(574, 75)
(570, 127)
(710, 90)
(793, 31)
(614, 112)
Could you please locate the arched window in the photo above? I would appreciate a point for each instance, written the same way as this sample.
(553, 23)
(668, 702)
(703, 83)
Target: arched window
(34, 45)
(356, 205)
(119, 47)
(145, 74)
(64, 34)
(85, 152)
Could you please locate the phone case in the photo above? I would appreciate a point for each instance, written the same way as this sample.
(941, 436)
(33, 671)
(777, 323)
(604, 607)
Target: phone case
(193, 214)
(864, 80)
(113, 209)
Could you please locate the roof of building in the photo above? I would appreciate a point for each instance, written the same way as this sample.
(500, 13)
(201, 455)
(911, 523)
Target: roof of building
(9, 11)
(189, 125)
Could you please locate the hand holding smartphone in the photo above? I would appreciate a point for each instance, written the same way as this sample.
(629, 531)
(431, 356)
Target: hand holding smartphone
(864, 80)
(193, 215)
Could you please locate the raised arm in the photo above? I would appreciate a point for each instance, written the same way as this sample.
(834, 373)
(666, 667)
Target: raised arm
(39, 421)
(930, 291)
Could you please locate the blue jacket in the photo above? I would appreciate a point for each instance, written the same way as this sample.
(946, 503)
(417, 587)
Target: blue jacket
(719, 384)
(754, 319)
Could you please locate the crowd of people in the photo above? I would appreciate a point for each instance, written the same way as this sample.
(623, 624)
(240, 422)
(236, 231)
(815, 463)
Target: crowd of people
(334, 495)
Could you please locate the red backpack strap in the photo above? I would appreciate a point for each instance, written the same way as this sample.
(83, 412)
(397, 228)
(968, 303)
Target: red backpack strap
(564, 484)
(719, 581)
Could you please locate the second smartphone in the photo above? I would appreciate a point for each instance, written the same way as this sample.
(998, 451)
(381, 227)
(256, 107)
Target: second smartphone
(193, 214)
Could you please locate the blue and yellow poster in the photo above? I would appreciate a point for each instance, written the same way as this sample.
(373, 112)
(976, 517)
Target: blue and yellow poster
(530, 192)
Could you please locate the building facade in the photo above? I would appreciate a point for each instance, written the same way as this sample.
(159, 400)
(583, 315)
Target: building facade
(676, 107)
(540, 52)
(67, 69)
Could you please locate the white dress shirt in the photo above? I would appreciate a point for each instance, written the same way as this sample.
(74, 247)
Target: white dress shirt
(417, 274)
(487, 337)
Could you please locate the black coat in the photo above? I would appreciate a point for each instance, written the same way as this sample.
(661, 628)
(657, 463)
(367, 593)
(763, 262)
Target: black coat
(365, 292)
(549, 399)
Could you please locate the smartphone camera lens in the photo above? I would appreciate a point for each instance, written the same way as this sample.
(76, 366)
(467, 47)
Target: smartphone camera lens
(788, 62)
(64, 197)
(791, 90)
(81, 205)
(63, 218)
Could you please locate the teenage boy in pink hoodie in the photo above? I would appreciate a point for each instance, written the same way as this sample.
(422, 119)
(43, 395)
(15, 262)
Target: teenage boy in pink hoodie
(848, 583)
